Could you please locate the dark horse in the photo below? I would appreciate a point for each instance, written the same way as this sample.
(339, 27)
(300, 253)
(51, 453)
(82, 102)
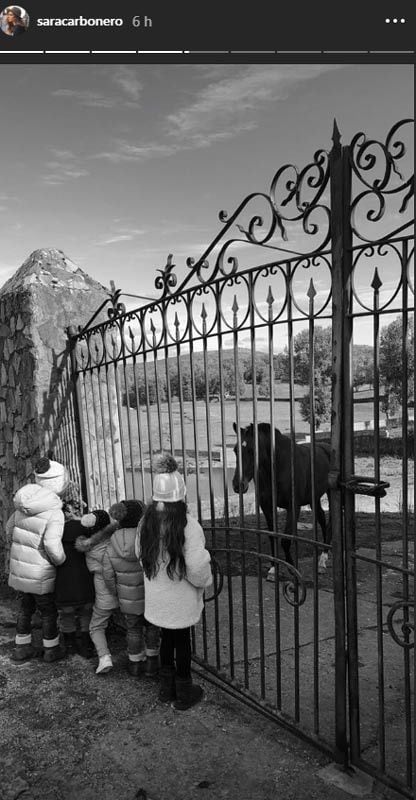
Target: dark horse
(283, 476)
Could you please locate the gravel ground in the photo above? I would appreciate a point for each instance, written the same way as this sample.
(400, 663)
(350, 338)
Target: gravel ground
(66, 734)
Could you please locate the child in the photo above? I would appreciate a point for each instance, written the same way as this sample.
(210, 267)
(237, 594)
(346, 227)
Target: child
(100, 528)
(74, 584)
(124, 577)
(35, 530)
(177, 568)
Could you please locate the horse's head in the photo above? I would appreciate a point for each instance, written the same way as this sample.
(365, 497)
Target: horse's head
(243, 476)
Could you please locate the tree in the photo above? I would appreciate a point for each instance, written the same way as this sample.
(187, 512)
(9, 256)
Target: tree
(322, 348)
(322, 402)
(392, 367)
(363, 366)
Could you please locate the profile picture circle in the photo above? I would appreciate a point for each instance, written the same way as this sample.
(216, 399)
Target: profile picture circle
(14, 20)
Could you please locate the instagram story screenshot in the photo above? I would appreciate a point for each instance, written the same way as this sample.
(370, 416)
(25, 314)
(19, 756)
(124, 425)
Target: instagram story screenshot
(207, 498)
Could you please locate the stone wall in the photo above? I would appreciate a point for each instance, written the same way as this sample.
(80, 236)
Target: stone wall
(37, 406)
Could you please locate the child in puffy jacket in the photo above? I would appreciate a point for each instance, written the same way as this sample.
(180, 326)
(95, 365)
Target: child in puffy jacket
(74, 583)
(35, 532)
(99, 527)
(177, 567)
(124, 577)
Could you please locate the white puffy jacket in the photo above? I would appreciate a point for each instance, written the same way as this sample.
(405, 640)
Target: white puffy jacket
(35, 530)
(178, 603)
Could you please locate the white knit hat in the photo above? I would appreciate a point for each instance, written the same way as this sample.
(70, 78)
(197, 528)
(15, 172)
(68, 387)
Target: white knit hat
(51, 475)
(168, 483)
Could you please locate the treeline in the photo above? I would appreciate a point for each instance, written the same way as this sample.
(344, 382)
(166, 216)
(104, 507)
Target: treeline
(158, 379)
(155, 381)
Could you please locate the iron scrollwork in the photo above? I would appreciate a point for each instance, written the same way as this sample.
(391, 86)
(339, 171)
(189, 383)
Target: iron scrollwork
(379, 167)
(295, 199)
(407, 627)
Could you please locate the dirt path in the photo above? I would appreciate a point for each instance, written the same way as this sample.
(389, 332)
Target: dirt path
(66, 734)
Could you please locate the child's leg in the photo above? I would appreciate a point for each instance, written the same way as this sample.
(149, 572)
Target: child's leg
(67, 624)
(85, 646)
(49, 614)
(167, 691)
(24, 618)
(135, 644)
(84, 617)
(186, 693)
(23, 639)
(152, 636)
(98, 626)
(167, 648)
(182, 638)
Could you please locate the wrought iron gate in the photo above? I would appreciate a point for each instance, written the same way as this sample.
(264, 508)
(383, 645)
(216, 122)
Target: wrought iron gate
(260, 309)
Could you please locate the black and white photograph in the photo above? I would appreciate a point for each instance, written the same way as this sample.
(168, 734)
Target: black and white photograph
(206, 430)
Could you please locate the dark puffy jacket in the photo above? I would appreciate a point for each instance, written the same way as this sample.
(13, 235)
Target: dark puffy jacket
(74, 584)
(122, 571)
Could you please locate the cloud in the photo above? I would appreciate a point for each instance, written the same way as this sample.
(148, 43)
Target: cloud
(126, 79)
(233, 103)
(221, 111)
(65, 166)
(124, 151)
(125, 90)
(85, 97)
(123, 235)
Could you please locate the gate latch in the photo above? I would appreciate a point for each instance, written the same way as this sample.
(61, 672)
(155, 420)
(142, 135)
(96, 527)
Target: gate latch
(359, 484)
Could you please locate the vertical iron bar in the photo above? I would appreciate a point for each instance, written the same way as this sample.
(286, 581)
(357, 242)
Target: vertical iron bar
(312, 425)
(293, 494)
(242, 531)
(405, 514)
(273, 478)
(379, 573)
(256, 488)
(340, 188)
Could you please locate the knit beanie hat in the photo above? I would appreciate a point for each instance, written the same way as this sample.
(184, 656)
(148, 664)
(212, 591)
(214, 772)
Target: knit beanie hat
(51, 475)
(95, 521)
(127, 513)
(168, 483)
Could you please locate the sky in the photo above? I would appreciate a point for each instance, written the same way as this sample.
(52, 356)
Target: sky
(118, 166)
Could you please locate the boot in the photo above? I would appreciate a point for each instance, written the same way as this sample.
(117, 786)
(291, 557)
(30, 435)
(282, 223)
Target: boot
(187, 694)
(70, 643)
(136, 668)
(85, 646)
(22, 653)
(152, 666)
(51, 654)
(167, 691)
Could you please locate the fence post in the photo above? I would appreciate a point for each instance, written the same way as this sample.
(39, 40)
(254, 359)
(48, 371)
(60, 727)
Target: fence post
(340, 186)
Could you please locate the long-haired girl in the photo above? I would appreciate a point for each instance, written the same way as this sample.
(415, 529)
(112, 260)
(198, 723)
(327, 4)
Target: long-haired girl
(177, 568)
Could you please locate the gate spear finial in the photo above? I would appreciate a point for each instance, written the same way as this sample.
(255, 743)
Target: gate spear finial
(336, 136)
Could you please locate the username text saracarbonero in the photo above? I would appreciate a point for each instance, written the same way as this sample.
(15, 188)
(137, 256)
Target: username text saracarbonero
(80, 22)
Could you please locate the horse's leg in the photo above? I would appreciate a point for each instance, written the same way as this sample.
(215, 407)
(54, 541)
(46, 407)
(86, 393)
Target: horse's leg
(326, 535)
(287, 543)
(268, 513)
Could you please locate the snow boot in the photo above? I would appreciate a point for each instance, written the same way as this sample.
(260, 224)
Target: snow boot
(22, 653)
(51, 654)
(187, 694)
(85, 646)
(167, 690)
